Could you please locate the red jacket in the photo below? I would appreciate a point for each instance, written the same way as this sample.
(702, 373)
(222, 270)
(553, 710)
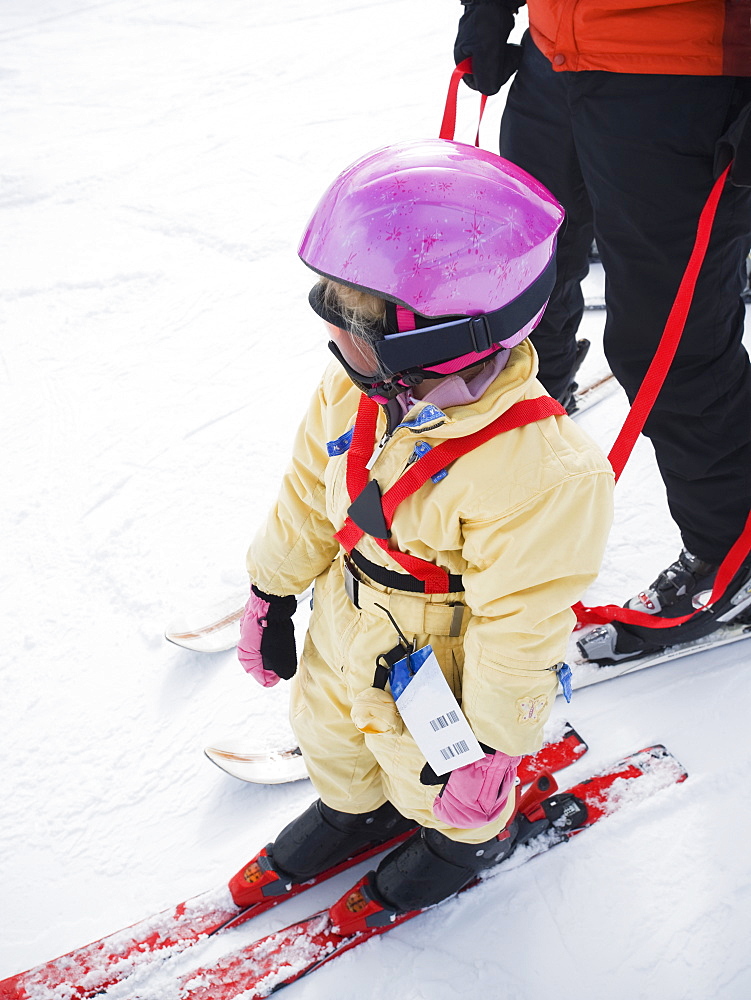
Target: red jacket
(693, 37)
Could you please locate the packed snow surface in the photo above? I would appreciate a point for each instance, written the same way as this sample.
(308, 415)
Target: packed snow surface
(159, 162)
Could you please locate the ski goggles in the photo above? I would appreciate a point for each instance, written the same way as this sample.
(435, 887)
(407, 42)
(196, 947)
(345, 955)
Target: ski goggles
(411, 347)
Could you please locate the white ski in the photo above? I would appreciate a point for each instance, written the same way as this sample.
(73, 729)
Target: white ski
(269, 767)
(220, 629)
(585, 673)
(277, 766)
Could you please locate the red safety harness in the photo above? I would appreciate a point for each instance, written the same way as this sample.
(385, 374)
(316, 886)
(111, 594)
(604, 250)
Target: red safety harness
(436, 580)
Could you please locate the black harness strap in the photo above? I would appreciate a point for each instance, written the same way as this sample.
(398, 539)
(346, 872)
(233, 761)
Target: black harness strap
(398, 581)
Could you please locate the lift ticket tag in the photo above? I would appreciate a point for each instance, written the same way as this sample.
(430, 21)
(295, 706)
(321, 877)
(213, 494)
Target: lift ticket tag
(432, 714)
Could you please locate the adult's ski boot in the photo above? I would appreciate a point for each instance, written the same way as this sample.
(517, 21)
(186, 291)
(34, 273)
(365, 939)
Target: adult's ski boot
(683, 588)
(613, 643)
(316, 840)
(674, 591)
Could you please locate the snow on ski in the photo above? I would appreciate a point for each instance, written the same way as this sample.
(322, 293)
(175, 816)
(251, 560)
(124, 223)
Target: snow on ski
(585, 672)
(89, 970)
(274, 767)
(287, 955)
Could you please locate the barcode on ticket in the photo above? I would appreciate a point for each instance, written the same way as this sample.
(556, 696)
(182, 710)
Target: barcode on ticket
(443, 721)
(455, 750)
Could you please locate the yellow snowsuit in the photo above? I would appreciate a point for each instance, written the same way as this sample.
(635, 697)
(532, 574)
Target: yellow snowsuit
(523, 518)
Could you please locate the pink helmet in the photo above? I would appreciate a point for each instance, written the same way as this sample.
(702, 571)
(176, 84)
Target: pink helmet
(462, 238)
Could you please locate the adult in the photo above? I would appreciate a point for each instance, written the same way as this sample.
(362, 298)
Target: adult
(622, 112)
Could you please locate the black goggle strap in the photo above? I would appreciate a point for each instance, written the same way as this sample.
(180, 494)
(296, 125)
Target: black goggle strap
(326, 312)
(470, 334)
(371, 385)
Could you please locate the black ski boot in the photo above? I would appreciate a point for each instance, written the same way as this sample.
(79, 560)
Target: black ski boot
(425, 869)
(567, 398)
(681, 589)
(429, 867)
(316, 840)
(672, 593)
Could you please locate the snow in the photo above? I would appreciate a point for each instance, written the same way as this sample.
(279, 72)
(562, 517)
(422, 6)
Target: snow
(159, 162)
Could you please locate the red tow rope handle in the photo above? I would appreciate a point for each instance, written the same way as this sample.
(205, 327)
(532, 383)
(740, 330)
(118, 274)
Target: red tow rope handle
(448, 124)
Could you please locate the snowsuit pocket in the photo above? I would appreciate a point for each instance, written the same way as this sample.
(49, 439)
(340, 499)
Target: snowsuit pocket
(373, 711)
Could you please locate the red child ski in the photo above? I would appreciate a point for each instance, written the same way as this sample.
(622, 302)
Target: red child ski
(89, 970)
(286, 956)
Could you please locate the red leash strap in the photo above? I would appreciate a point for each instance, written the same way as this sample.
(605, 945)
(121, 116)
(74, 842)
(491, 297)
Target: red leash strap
(607, 613)
(448, 124)
(637, 417)
(436, 580)
(671, 336)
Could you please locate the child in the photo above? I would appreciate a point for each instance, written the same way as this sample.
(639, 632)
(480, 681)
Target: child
(436, 261)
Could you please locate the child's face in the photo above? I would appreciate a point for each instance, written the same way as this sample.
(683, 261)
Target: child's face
(356, 352)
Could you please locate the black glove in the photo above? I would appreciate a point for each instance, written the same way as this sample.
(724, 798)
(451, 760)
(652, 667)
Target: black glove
(278, 642)
(483, 33)
(267, 637)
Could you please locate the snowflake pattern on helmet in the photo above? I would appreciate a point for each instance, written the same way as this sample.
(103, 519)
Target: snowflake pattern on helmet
(424, 219)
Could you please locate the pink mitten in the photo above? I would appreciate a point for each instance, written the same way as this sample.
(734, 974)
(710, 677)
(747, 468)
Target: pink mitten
(267, 638)
(476, 793)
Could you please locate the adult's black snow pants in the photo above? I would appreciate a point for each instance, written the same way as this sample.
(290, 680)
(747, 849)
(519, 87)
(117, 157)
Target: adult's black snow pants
(631, 157)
